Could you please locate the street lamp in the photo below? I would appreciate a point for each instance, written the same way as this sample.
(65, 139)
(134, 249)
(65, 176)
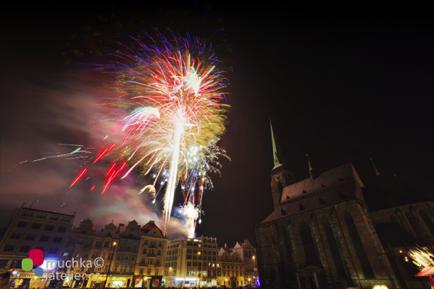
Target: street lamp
(114, 244)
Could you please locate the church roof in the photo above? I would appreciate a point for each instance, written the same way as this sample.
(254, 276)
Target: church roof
(342, 179)
(330, 179)
(273, 216)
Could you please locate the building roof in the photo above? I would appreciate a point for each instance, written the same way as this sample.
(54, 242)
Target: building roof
(273, 216)
(343, 179)
(328, 179)
(150, 226)
(246, 243)
(45, 211)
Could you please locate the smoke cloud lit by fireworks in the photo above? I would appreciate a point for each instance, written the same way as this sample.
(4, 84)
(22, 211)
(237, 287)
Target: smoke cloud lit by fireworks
(159, 131)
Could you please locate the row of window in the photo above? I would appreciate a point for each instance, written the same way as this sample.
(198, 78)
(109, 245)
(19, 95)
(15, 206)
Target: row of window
(172, 264)
(230, 274)
(29, 237)
(25, 249)
(204, 258)
(151, 252)
(126, 257)
(205, 252)
(230, 267)
(200, 264)
(100, 244)
(42, 216)
(149, 271)
(202, 245)
(153, 262)
(124, 269)
(38, 226)
(152, 243)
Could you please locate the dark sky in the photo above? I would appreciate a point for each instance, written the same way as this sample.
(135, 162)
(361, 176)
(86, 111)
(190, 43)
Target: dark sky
(340, 84)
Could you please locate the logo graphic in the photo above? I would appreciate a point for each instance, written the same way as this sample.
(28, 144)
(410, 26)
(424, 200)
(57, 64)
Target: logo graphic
(35, 258)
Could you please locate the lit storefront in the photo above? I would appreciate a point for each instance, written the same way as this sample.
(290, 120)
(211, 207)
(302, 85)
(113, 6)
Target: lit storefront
(187, 282)
(142, 281)
(93, 280)
(28, 279)
(119, 281)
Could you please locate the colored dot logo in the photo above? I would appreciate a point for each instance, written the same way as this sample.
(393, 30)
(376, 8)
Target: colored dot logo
(35, 258)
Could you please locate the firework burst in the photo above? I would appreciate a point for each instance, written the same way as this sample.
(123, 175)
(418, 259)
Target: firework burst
(423, 258)
(171, 96)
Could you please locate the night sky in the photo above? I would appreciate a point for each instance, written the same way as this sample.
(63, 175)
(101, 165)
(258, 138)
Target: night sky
(342, 87)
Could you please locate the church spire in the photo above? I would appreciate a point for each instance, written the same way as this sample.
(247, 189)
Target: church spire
(276, 161)
(312, 172)
(376, 171)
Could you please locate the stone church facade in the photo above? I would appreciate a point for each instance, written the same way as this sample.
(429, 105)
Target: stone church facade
(321, 235)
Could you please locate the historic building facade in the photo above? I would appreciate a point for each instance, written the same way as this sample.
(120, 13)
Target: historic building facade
(33, 228)
(247, 253)
(88, 243)
(131, 254)
(236, 266)
(230, 268)
(192, 262)
(322, 235)
(319, 234)
(151, 254)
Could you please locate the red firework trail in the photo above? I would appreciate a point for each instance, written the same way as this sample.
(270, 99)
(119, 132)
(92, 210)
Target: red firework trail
(79, 176)
(103, 153)
(113, 175)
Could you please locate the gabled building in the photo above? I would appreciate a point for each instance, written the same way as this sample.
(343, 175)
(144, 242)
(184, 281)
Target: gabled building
(247, 253)
(151, 254)
(87, 243)
(132, 254)
(230, 267)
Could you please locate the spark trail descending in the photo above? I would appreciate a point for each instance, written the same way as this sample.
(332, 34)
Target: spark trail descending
(171, 97)
(424, 260)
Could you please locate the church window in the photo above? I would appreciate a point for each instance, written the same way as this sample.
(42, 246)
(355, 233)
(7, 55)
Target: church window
(335, 252)
(358, 247)
(310, 249)
(280, 186)
(428, 220)
(414, 222)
